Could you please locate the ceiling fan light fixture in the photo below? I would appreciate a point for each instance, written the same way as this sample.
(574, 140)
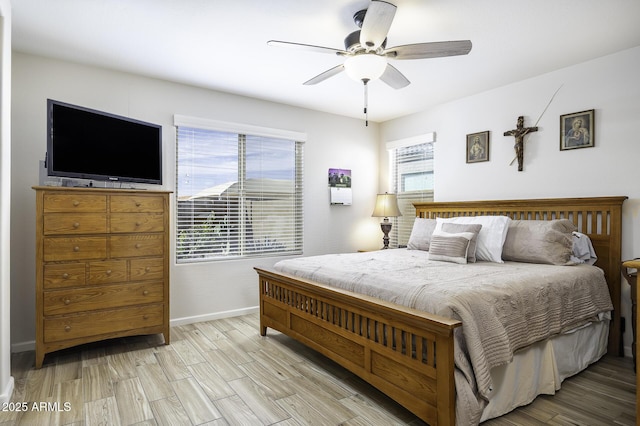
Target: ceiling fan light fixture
(365, 66)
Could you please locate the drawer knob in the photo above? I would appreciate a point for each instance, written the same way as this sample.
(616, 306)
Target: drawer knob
(147, 269)
(138, 224)
(146, 292)
(76, 248)
(138, 245)
(108, 272)
(145, 317)
(65, 275)
(76, 203)
(138, 203)
(67, 301)
(76, 225)
(67, 328)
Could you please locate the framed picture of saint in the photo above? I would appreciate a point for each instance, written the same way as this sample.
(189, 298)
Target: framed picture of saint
(478, 147)
(577, 130)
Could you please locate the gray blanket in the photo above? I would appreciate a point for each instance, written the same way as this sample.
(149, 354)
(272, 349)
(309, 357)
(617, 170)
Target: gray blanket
(503, 307)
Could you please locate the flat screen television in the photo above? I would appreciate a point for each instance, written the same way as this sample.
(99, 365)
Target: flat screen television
(87, 144)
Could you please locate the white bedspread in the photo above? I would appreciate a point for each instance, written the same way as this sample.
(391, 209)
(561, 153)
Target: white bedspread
(503, 307)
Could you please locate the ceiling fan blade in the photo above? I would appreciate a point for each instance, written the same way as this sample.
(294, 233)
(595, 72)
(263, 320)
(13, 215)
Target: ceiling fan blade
(394, 78)
(436, 49)
(376, 24)
(307, 47)
(325, 75)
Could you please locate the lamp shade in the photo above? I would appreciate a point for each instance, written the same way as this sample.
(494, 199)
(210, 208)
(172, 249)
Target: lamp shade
(365, 66)
(386, 206)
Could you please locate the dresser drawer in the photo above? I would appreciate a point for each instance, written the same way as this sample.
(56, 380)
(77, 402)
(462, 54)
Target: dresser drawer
(78, 223)
(91, 298)
(109, 271)
(136, 204)
(64, 275)
(105, 322)
(74, 248)
(137, 222)
(54, 202)
(147, 269)
(136, 245)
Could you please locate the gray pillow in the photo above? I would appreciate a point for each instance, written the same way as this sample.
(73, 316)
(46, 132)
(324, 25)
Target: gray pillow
(490, 238)
(448, 247)
(421, 234)
(463, 227)
(539, 241)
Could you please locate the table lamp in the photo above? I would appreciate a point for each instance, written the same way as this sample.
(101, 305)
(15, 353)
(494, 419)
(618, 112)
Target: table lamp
(386, 207)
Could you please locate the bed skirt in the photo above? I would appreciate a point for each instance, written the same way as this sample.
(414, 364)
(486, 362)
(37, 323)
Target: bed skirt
(541, 368)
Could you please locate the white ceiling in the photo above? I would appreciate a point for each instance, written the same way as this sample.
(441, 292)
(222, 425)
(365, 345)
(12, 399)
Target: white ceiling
(221, 44)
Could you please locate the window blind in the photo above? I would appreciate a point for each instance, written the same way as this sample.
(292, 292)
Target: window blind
(238, 195)
(412, 181)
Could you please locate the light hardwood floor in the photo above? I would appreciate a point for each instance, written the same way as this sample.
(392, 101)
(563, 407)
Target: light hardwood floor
(223, 373)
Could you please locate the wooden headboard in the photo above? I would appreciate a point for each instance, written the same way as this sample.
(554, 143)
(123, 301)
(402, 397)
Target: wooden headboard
(598, 217)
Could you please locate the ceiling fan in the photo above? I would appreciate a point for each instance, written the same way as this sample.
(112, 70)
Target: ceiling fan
(366, 52)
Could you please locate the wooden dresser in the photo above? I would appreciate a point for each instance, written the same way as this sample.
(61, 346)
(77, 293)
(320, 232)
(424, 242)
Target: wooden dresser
(102, 265)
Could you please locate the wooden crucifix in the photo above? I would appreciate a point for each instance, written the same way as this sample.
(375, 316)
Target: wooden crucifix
(519, 133)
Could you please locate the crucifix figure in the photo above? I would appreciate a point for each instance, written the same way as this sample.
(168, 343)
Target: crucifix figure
(519, 132)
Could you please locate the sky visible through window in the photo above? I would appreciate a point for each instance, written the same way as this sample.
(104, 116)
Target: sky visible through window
(210, 158)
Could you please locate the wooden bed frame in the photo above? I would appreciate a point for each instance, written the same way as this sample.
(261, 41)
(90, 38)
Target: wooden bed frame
(369, 337)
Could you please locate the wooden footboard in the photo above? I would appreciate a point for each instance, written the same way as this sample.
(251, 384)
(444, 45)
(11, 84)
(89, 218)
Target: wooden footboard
(405, 353)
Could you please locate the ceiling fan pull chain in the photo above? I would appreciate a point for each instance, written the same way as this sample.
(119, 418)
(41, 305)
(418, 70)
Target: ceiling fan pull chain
(366, 101)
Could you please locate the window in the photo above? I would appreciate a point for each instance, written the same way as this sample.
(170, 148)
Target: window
(412, 180)
(238, 194)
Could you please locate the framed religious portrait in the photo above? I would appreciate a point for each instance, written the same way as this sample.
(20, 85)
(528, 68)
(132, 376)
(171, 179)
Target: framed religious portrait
(478, 147)
(577, 130)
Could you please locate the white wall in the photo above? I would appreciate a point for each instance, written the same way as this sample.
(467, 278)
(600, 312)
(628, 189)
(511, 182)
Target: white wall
(203, 290)
(6, 381)
(609, 85)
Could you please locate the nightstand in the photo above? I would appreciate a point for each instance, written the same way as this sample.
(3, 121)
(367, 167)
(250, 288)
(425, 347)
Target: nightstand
(632, 279)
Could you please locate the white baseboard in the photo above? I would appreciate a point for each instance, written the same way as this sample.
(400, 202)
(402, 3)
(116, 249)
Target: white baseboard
(5, 396)
(31, 345)
(214, 316)
(23, 346)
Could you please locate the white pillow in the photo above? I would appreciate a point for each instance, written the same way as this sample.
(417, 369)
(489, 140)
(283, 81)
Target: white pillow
(582, 251)
(490, 238)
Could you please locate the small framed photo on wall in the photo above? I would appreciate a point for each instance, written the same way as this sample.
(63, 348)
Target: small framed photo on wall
(478, 147)
(577, 130)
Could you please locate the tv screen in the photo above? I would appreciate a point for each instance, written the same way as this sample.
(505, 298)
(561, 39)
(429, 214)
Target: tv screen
(88, 144)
